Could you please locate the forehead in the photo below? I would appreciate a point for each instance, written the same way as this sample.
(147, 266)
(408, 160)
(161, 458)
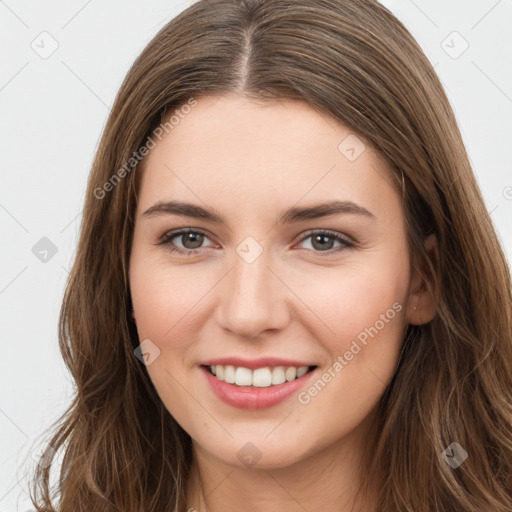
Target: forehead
(235, 151)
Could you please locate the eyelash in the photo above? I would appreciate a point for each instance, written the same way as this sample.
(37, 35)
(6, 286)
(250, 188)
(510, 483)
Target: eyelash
(166, 240)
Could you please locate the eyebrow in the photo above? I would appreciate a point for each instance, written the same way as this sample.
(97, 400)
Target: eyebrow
(294, 214)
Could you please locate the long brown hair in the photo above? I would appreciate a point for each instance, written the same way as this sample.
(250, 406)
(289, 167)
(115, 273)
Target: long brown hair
(353, 60)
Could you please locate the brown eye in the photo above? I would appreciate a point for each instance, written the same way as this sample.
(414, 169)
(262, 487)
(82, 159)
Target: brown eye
(323, 241)
(191, 241)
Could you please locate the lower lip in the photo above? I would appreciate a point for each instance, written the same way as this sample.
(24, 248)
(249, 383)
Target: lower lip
(249, 397)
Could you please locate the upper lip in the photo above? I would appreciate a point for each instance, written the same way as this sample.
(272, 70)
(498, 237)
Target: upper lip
(252, 364)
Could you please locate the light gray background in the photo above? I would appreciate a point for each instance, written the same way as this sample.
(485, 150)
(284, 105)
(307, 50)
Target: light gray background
(53, 111)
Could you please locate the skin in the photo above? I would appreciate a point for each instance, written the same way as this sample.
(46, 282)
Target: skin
(249, 161)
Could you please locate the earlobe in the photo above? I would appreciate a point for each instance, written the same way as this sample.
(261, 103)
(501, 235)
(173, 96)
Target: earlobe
(421, 301)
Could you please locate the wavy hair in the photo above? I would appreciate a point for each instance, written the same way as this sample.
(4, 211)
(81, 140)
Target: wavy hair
(353, 60)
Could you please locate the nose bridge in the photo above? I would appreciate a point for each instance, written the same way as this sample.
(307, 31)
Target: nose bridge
(253, 299)
(251, 279)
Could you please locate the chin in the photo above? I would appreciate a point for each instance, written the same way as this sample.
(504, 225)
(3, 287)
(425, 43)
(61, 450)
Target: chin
(256, 452)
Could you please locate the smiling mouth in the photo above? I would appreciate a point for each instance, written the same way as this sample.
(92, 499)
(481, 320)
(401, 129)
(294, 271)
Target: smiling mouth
(260, 377)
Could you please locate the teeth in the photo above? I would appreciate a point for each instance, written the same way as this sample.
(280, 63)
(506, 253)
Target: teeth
(229, 374)
(260, 378)
(243, 377)
(290, 373)
(278, 376)
(302, 371)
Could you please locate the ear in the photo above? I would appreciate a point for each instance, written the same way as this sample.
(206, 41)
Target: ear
(420, 303)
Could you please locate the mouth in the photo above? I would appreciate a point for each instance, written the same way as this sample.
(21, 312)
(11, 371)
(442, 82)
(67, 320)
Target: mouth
(265, 384)
(263, 377)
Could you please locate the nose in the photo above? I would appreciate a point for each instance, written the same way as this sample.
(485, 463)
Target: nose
(253, 298)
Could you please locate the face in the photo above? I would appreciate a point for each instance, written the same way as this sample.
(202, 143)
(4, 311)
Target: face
(256, 278)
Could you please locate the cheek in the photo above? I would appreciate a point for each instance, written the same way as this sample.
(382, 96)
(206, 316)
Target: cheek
(164, 300)
(165, 297)
(365, 309)
(368, 321)
(353, 302)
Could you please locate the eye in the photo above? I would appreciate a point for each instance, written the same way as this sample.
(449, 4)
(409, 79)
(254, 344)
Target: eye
(322, 241)
(191, 239)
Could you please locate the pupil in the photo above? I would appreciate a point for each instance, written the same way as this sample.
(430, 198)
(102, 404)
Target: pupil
(320, 238)
(190, 237)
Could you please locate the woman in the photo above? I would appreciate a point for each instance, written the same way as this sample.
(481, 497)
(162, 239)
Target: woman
(288, 293)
